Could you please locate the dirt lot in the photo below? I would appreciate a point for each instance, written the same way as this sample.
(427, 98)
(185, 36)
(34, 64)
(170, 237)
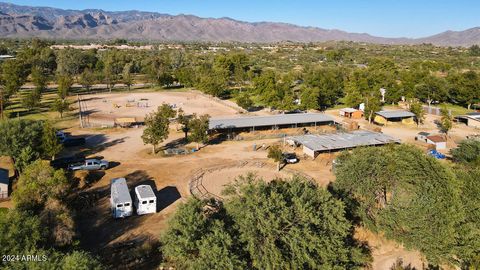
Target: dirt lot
(106, 107)
(170, 176)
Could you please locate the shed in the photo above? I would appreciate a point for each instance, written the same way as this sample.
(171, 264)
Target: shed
(120, 199)
(422, 136)
(385, 117)
(145, 200)
(314, 144)
(439, 141)
(351, 113)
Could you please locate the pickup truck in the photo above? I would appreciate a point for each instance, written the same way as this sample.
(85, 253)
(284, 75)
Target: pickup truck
(90, 165)
(64, 163)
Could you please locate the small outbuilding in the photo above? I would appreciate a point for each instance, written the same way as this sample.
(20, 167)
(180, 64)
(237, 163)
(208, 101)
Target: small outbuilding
(145, 200)
(351, 113)
(385, 117)
(438, 141)
(4, 183)
(120, 199)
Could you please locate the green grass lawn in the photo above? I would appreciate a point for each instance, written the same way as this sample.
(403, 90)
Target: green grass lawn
(457, 110)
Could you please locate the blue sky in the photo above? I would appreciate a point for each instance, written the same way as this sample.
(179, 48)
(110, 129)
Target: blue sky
(388, 18)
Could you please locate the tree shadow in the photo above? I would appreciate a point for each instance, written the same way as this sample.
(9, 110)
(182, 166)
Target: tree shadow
(176, 143)
(217, 139)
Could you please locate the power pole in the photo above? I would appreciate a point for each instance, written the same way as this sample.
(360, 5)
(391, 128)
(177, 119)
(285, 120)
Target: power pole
(80, 110)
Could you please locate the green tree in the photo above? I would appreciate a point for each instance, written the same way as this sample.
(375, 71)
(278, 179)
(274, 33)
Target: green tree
(275, 153)
(127, 78)
(468, 151)
(157, 126)
(19, 232)
(39, 78)
(398, 190)
(184, 120)
(87, 79)
(50, 144)
(372, 105)
(195, 240)
(244, 100)
(474, 50)
(21, 139)
(13, 75)
(32, 99)
(61, 106)
(417, 109)
(37, 183)
(65, 83)
(468, 248)
(294, 221)
(446, 121)
(199, 129)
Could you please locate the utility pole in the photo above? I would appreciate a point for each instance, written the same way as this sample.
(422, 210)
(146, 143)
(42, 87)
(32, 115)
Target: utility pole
(80, 111)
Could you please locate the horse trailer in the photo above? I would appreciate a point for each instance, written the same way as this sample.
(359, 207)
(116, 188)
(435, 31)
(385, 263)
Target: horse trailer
(120, 199)
(145, 200)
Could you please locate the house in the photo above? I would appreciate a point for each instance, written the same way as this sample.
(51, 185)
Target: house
(470, 119)
(438, 141)
(145, 200)
(314, 144)
(120, 200)
(385, 117)
(351, 113)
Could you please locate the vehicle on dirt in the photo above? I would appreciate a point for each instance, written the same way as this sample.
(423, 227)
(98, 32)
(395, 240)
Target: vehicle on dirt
(71, 142)
(90, 165)
(290, 158)
(65, 162)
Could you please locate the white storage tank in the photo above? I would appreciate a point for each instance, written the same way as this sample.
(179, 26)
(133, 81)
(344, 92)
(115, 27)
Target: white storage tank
(120, 199)
(145, 200)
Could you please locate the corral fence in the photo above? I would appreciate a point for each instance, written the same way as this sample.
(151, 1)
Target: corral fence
(198, 190)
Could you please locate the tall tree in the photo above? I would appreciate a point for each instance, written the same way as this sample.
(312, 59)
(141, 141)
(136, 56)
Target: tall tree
(87, 79)
(199, 129)
(446, 120)
(157, 126)
(50, 144)
(417, 109)
(398, 190)
(275, 153)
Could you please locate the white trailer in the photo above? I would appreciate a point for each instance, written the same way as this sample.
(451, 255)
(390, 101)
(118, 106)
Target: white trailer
(145, 200)
(120, 199)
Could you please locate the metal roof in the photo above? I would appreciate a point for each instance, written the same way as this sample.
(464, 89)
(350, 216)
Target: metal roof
(119, 191)
(395, 114)
(340, 141)
(348, 110)
(258, 121)
(144, 192)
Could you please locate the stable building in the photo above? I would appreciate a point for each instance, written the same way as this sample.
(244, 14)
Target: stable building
(316, 144)
(397, 116)
(272, 122)
(7, 174)
(470, 119)
(351, 113)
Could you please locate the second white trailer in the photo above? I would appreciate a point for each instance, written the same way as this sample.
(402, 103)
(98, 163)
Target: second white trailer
(145, 200)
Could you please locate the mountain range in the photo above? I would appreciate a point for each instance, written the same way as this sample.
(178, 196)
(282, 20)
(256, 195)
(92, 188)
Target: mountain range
(45, 22)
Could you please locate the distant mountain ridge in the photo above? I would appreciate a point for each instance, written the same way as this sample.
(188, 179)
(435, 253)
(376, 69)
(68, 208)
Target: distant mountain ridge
(46, 22)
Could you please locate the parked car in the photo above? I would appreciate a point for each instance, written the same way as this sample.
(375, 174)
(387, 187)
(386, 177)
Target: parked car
(61, 135)
(290, 158)
(90, 165)
(64, 163)
(70, 142)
